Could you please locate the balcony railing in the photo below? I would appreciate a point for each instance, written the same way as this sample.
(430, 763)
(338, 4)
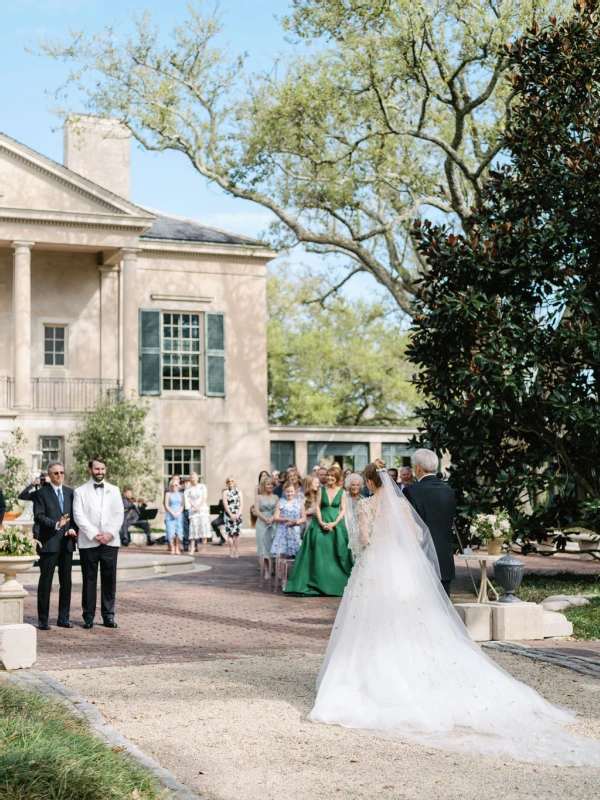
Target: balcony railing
(63, 394)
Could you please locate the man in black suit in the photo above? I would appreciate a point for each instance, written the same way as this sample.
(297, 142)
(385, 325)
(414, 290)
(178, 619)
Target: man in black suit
(2, 507)
(435, 503)
(57, 534)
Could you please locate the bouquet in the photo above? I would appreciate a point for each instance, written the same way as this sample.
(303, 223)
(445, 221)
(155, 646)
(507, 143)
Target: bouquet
(491, 527)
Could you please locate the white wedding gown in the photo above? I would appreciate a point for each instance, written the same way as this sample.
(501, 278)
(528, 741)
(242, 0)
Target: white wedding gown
(401, 662)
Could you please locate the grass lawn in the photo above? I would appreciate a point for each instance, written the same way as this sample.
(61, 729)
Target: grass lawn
(585, 619)
(47, 753)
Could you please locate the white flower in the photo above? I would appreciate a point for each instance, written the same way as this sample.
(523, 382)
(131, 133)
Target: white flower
(472, 530)
(505, 525)
(497, 533)
(491, 519)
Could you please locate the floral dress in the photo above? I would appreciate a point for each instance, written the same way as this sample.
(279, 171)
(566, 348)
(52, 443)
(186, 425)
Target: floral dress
(287, 540)
(199, 521)
(233, 527)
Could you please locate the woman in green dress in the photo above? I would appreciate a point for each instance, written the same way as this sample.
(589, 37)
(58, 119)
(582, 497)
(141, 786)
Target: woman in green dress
(324, 562)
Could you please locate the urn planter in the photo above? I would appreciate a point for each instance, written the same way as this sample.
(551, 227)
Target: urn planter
(10, 567)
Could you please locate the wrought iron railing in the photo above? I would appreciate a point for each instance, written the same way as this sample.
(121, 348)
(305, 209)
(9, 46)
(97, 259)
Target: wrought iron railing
(63, 394)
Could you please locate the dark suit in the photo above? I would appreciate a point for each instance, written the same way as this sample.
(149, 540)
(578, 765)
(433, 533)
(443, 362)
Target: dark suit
(2, 507)
(56, 549)
(435, 502)
(29, 494)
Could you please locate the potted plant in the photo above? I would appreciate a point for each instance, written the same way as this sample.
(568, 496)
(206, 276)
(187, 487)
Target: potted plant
(14, 477)
(492, 530)
(17, 554)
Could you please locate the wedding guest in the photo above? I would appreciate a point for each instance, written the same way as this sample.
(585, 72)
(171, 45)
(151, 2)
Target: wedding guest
(57, 534)
(281, 481)
(265, 504)
(233, 502)
(324, 561)
(289, 516)
(347, 473)
(406, 477)
(2, 507)
(185, 484)
(218, 523)
(393, 473)
(131, 518)
(435, 502)
(28, 494)
(322, 476)
(315, 470)
(196, 497)
(98, 512)
(294, 478)
(275, 475)
(311, 490)
(254, 506)
(354, 485)
(174, 518)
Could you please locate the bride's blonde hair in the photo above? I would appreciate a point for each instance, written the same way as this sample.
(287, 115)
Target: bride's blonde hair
(373, 471)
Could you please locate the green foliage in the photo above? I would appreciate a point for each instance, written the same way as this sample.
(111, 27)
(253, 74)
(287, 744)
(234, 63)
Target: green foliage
(342, 363)
(536, 588)
(381, 109)
(14, 542)
(48, 754)
(507, 335)
(15, 475)
(119, 434)
(586, 620)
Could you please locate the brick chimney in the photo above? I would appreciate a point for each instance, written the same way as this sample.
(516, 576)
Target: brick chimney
(98, 148)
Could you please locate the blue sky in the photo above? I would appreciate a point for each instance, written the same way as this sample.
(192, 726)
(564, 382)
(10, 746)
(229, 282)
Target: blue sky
(162, 181)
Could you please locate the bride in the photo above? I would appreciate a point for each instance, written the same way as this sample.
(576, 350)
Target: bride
(401, 662)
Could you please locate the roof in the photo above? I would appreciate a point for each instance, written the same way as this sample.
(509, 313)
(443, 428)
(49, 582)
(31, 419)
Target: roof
(168, 227)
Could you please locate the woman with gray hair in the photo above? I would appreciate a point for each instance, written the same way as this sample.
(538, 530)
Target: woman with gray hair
(354, 484)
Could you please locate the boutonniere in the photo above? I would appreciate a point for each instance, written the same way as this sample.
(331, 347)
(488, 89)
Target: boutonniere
(107, 491)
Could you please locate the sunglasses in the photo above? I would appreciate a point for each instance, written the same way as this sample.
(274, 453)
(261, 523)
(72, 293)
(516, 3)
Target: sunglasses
(57, 473)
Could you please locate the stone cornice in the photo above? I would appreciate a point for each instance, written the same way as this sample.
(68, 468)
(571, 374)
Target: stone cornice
(68, 219)
(206, 250)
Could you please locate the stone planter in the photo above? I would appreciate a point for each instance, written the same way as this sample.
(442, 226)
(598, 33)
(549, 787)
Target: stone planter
(10, 567)
(494, 547)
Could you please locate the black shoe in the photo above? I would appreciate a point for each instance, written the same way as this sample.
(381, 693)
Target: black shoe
(150, 543)
(110, 623)
(63, 623)
(43, 626)
(88, 623)
(124, 544)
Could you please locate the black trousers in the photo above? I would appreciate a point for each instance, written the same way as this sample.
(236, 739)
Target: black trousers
(48, 563)
(104, 555)
(446, 585)
(216, 525)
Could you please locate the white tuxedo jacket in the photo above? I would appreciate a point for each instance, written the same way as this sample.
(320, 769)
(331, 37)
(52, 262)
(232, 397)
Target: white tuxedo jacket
(98, 510)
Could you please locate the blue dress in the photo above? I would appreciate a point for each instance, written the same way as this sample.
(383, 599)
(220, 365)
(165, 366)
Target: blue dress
(287, 540)
(174, 527)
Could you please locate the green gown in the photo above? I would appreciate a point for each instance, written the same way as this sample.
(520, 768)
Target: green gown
(324, 562)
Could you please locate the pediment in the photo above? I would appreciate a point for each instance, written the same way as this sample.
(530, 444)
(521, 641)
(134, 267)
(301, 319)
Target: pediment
(31, 182)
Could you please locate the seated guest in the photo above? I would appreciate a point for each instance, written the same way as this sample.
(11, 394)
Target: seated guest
(131, 519)
(218, 523)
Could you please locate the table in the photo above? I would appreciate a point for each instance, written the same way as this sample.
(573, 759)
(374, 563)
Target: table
(484, 586)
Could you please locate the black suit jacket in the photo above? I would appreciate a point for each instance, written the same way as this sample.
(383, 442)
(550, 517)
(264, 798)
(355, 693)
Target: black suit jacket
(47, 513)
(2, 507)
(435, 502)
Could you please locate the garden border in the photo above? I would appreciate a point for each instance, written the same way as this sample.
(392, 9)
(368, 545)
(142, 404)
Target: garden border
(33, 679)
(586, 666)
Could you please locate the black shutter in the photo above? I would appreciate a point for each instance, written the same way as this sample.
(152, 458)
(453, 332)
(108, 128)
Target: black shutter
(215, 355)
(150, 367)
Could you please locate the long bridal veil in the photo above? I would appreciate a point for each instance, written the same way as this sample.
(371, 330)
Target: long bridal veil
(400, 661)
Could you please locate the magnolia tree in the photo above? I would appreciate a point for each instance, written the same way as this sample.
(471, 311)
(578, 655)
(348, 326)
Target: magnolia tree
(507, 335)
(383, 109)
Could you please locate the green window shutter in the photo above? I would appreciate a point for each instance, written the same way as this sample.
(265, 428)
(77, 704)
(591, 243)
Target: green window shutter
(215, 354)
(150, 366)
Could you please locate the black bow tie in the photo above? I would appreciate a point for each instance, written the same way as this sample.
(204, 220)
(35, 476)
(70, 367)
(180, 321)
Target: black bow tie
(98, 486)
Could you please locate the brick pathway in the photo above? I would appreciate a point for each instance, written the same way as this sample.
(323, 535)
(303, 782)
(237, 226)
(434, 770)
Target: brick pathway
(220, 613)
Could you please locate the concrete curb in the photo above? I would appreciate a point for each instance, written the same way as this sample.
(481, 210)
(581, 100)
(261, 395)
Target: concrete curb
(32, 679)
(577, 663)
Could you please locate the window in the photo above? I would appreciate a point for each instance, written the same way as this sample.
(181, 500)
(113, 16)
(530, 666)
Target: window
(52, 448)
(282, 455)
(181, 352)
(396, 455)
(183, 461)
(54, 345)
(349, 455)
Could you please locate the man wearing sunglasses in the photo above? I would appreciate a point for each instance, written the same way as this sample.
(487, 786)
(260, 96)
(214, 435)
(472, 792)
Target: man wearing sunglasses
(57, 534)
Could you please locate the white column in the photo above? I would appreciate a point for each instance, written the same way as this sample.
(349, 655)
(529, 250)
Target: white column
(22, 323)
(109, 322)
(130, 323)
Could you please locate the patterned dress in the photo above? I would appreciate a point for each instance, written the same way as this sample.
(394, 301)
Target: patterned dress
(287, 540)
(199, 520)
(233, 527)
(264, 532)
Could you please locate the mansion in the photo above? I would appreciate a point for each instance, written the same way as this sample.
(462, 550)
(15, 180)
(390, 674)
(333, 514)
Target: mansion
(100, 297)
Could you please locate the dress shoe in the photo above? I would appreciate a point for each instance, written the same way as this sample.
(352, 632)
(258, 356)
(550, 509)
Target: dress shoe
(88, 623)
(63, 623)
(110, 623)
(43, 626)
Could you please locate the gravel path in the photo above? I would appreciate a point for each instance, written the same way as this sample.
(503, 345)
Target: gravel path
(237, 730)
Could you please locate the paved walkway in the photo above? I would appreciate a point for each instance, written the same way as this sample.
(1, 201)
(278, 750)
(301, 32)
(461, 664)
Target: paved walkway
(221, 612)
